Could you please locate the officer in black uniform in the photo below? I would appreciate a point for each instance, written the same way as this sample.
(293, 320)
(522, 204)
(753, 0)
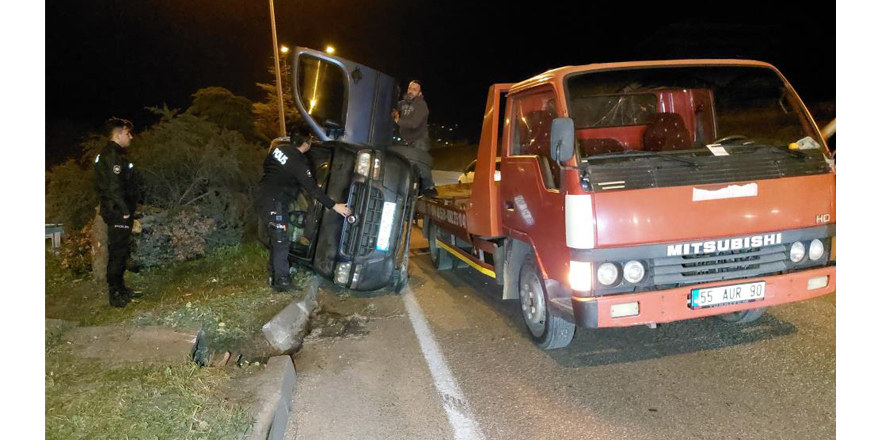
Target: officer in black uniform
(116, 189)
(285, 171)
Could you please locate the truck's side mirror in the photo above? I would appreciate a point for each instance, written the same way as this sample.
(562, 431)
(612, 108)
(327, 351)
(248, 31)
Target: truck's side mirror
(562, 139)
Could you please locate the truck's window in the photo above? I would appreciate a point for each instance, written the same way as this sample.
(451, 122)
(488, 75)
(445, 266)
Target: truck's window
(322, 88)
(532, 117)
(614, 110)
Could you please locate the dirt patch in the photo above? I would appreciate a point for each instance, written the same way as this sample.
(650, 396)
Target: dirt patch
(346, 314)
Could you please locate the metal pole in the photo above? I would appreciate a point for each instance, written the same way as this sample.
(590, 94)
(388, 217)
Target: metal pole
(282, 128)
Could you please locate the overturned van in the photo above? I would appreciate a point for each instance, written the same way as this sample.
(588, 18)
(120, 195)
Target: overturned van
(348, 107)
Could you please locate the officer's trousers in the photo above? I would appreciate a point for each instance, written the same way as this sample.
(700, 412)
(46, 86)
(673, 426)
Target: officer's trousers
(275, 217)
(118, 249)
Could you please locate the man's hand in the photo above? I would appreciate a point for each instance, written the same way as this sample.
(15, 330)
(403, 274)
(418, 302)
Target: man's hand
(395, 115)
(342, 210)
(126, 217)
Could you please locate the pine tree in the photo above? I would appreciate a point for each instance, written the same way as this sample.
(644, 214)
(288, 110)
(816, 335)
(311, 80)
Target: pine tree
(266, 111)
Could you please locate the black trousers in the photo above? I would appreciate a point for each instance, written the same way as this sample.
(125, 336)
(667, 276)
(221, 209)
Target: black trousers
(274, 216)
(118, 248)
(418, 155)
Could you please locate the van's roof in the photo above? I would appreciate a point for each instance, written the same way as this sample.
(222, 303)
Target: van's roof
(556, 76)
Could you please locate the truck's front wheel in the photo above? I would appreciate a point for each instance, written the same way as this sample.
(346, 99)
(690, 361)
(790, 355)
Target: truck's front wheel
(547, 330)
(743, 316)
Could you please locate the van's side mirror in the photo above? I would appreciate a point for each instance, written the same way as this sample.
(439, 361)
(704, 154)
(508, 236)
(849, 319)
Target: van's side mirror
(562, 139)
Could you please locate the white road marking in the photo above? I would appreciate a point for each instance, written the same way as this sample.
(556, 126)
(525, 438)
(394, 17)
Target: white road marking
(457, 409)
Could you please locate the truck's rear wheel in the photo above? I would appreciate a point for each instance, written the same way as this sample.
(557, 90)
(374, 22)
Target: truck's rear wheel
(742, 316)
(440, 257)
(547, 330)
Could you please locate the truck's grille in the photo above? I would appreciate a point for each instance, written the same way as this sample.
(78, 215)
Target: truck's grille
(719, 266)
(359, 239)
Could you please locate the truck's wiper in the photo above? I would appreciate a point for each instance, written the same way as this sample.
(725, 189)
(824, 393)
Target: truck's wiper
(633, 153)
(777, 149)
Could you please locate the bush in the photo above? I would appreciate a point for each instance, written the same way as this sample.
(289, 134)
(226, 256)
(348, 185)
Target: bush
(70, 195)
(187, 233)
(75, 253)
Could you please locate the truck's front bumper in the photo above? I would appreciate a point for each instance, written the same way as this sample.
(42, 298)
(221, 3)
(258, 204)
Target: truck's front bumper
(672, 305)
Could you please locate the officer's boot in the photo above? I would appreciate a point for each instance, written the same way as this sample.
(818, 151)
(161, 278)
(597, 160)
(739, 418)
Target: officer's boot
(117, 296)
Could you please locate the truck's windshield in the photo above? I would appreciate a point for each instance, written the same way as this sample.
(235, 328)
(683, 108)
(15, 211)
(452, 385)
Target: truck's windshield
(650, 127)
(680, 108)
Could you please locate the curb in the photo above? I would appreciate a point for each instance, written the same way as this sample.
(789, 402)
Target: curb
(285, 331)
(275, 402)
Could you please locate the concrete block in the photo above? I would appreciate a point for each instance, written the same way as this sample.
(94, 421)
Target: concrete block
(274, 387)
(285, 331)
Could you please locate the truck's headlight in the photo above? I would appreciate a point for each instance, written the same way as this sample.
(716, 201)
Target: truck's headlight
(362, 166)
(633, 271)
(607, 273)
(797, 251)
(580, 275)
(817, 249)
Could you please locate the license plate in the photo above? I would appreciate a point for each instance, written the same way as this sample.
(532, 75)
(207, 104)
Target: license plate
(726, 295)
(385, 226)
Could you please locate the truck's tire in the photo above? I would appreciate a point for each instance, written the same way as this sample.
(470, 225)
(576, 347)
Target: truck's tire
(546, 329)
(440, 257)
(742, 316)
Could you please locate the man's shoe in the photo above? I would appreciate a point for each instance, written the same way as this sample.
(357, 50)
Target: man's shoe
(283, 285)
(430, 192)
(118, 298)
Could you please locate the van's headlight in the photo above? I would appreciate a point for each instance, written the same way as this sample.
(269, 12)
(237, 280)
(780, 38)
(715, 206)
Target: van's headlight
(362, 166)
(342, 272)
(377, 166)
(817, 249)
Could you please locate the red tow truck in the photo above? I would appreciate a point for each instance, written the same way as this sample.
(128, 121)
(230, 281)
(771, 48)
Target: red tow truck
(643, 193)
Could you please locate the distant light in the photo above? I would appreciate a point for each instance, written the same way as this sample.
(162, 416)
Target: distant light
(285, 49)
(330, 50)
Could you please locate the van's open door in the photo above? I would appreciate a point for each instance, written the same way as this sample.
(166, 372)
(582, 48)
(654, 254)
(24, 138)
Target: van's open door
(343, 100)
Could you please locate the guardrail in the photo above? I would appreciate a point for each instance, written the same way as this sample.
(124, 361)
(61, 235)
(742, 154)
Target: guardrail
(55, 231)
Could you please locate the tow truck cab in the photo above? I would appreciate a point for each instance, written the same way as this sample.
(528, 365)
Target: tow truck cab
(348, 107)
(644, 193)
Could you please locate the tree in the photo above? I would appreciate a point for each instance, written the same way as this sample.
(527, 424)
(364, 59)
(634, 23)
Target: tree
(227, 110)
(266, 111)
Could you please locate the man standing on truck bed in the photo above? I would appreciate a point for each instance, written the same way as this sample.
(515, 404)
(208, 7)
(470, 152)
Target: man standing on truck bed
(116, 190)
(285, 171)
(412, 117)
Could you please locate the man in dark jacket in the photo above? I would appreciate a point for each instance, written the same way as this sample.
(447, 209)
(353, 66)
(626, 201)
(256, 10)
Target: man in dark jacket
(285, 171)
(411, 116)
(118, 195)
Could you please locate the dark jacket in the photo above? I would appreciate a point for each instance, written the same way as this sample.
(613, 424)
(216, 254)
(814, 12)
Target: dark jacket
(114, 182)
(413, 120)
(285, 171)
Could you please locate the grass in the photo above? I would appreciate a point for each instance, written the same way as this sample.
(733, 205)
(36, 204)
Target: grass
(85, 400)
(224, 294)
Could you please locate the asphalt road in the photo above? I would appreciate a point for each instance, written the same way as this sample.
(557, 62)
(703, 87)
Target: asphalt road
(698, 379)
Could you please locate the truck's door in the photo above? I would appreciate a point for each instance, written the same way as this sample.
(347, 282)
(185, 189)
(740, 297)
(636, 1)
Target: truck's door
(342, 100)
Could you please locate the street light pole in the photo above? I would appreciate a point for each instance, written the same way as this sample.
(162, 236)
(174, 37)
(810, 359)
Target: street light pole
(282, 128)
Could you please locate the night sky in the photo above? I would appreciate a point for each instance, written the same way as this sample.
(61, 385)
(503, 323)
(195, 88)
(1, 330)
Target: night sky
(116, 57)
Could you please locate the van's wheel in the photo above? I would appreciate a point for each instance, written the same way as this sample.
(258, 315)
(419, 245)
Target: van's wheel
(742, 316)
(440, 257)
(547, 330)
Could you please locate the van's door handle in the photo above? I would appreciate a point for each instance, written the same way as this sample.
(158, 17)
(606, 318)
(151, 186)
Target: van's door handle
(508, 205)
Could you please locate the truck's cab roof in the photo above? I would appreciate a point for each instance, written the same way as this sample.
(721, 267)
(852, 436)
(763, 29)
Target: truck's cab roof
(557, 76)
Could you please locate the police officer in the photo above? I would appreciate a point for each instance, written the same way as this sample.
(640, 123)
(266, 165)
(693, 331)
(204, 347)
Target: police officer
(285, 171)
(116, 190)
